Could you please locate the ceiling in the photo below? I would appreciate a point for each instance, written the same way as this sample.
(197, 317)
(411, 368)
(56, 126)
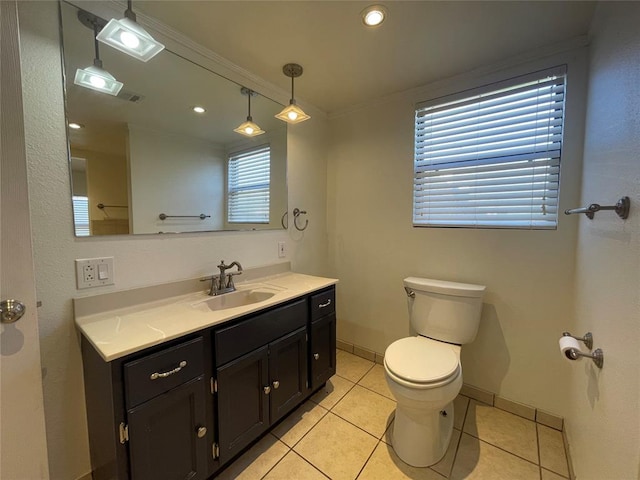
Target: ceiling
(345, 63)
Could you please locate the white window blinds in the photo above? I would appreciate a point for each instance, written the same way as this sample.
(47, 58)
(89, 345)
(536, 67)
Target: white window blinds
(248, 186)
(81, 215)
(490, 157)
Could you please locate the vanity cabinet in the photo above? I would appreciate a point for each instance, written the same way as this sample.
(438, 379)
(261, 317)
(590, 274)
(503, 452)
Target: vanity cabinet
(255, 389)
(188, 407)
(323, 337)
(151, 414)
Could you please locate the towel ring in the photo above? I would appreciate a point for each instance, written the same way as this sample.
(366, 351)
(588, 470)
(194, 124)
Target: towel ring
(296, 213)
(285, 215)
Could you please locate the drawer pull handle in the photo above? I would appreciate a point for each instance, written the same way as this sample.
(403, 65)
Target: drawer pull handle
(202, 431)
(156, 375)
(316, 356)
(322, 305)
(276, 384)
(267, 390)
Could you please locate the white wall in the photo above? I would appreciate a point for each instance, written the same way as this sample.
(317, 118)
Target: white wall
(604, 422)
(373, 246)
(139, 260)
(174, 175)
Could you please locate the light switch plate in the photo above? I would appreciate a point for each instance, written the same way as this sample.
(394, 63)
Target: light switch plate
(282, 249)
(94, 272)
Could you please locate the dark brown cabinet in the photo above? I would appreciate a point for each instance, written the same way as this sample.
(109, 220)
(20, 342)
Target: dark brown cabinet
(323, 338)
(168, 435)
(184, 409)
(257, 389)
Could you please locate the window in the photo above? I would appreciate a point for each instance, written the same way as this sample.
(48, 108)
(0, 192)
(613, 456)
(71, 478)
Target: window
(81, 215)
(490, 157)
(248, 186)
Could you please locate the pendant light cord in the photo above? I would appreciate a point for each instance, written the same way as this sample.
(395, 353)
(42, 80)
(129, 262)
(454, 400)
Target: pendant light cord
(129, 11)
(96, 61)
(292, 95)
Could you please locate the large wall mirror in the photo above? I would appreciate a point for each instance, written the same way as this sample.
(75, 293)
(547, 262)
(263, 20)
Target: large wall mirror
(145, 162)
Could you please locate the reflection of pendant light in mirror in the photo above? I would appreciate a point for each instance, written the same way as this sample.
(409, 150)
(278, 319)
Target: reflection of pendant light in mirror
(129, 37)
(292, 113)
(94, 76)
(249, 128)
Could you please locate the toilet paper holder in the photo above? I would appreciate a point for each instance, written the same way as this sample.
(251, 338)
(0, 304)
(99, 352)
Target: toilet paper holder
(587, 339)
(597, 355)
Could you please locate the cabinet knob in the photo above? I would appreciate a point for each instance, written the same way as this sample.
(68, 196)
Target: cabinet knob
(202, 431)
(276, 384)
(267, 390)
(316, 356)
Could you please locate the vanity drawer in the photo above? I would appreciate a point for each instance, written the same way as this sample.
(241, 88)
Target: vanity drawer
(323, 303)
(154, 374)
(248, 335)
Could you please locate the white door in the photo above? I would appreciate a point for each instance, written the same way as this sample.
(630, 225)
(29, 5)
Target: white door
(23, 448)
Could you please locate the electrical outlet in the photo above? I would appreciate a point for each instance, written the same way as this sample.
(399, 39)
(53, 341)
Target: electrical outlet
(94, 272)
(282, 249)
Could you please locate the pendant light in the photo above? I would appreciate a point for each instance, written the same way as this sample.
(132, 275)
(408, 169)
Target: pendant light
(94, 76)
(292, 113)
(248, 128)
(129, 37)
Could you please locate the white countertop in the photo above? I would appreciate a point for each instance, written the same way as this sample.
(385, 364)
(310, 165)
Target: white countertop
(120, 331)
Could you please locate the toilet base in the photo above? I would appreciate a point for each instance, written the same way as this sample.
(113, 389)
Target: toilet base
(423, 441)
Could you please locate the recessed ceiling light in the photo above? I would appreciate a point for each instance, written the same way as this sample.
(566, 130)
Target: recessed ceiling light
(199, 109)
(374, 15)
(75, 126)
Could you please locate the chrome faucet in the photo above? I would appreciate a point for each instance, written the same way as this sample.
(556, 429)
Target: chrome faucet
(223, 282)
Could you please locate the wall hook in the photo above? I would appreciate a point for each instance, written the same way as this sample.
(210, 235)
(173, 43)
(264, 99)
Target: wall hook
(621, 208)
(296, 213)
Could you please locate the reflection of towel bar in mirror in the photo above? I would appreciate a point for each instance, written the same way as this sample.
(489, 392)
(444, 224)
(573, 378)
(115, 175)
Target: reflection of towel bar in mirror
(621, 208)
(102, 206)
(164, 216)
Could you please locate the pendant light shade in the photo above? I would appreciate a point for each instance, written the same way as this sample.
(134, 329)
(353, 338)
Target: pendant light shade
(249, 128)
(98, 79)
(94, 76)
(129, 37)
(292, 113)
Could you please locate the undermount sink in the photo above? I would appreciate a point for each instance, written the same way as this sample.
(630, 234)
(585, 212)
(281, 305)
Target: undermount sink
(239, 298)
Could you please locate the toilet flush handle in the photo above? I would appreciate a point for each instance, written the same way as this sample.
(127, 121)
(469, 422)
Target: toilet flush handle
(410, 293)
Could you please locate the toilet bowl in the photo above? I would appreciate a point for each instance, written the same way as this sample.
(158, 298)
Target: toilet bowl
(424, 373)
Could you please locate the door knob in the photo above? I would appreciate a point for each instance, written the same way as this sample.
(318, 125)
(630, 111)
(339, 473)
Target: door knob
(316, 356)
(11, 310)
(202, 431)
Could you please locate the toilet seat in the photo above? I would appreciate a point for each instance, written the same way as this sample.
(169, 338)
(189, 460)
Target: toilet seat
(420, 362)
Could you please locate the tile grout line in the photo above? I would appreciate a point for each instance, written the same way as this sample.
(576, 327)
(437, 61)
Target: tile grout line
(500, 448)
(539, 457)
(369, 457)
(455, 455)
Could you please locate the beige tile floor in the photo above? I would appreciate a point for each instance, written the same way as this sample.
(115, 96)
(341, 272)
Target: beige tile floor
(342, 433)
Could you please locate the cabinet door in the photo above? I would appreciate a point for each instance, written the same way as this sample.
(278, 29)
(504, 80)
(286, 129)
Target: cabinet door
(323, 350)
(288, 372)
(166, 436)
(243, 403)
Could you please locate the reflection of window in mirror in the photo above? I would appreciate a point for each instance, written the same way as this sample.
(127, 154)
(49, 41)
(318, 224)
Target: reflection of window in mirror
(248, 179)
(81, 215)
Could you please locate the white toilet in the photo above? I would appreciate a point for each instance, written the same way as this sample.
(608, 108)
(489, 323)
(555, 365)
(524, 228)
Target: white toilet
(424, 372)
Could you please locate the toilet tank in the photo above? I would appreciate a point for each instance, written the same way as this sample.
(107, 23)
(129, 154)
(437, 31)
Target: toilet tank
(446, 311)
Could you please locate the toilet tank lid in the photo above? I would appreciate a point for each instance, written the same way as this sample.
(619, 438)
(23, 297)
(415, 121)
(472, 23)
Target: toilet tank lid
(444, 287)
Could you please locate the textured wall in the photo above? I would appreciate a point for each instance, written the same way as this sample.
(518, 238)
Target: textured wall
(373, 246)
(604, 423)
(139, 260)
